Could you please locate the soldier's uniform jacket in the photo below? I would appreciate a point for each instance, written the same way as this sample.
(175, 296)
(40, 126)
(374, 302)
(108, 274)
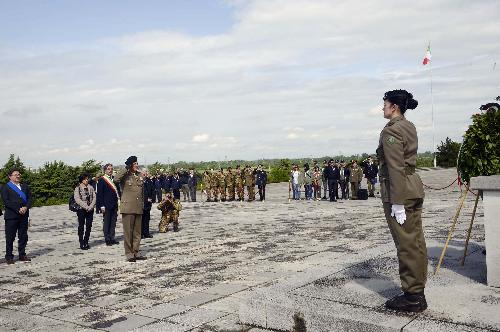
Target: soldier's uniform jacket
(221, 183)
(397, 154)
(229, 178)
(206, 181)
(356, 174)
(249, 177)
(132, 189)
(238, 178)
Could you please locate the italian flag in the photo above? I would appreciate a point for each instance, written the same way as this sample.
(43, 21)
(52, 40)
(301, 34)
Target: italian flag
(427, 57)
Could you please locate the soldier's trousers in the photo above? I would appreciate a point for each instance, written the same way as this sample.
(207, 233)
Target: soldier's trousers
(325, 187)
(230, 193)
(354, 190)
(222, 192)
(371, 186)
(215, 194)
(240, 192)
(251, 193)
(410, 244)
(166, 219)
(208, 191)
(131, 234)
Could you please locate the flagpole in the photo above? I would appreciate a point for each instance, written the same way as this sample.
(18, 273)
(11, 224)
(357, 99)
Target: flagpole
(432, 116)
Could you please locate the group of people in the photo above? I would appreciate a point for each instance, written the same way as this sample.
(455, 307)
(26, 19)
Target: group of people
(332, 176)
(132, 192)
(229, 185)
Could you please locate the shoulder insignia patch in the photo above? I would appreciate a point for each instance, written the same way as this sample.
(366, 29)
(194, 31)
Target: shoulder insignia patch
(391, 139)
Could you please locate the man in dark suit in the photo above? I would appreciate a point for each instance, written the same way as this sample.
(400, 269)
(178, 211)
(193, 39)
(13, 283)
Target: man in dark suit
(192, 183)
(107, 202)
(333, 175)
(261, 181)
(149, 195)
(17, 200)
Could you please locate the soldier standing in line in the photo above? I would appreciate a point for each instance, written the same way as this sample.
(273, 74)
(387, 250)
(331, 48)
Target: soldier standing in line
(214, 183)
(207, 182)
(250, 182)
(230, 184)
(239, 183)
(355, 178)
(402, 195)
(221, 178)
(132, 201)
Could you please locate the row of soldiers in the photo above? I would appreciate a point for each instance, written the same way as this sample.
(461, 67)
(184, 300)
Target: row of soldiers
(228, 185)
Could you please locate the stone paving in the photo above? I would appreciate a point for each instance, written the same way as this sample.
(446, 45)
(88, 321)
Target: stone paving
(248, 267)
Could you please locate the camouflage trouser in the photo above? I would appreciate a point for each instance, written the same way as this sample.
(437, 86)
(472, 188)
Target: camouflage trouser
(222, 192)
(251, 193)
(230, 193)
(240, 192)
(215, 194)
(167, 218)
(208, 191)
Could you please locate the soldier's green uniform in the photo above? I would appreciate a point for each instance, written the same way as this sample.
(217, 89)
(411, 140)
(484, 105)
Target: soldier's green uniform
(250, 183)
(400, 185)
(230, 184)
(355, 179)
(207, 182)
(221, 183)
(239, 184)
(214, 181)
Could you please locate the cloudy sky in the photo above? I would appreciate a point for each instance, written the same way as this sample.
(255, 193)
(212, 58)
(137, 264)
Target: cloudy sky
(213, 79)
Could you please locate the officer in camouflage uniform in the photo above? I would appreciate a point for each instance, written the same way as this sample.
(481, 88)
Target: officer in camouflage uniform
(249, 175)
(170, 209)
(221, 178)
(239, 183)
(207, 183)
(403, 196)
(230, 184)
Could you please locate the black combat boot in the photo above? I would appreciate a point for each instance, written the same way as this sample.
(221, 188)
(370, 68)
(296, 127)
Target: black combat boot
(407, 302)
(176, 226)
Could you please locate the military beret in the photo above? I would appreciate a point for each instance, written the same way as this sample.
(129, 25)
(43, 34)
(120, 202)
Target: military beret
(130, 160)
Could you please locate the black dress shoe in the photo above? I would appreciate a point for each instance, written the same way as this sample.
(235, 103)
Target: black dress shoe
(131, 260)
(87, 246)
(407, 303)
(115, 242)
(149, 236)
(9, 261)
(141, 258)
(25, 259)
(109, 243)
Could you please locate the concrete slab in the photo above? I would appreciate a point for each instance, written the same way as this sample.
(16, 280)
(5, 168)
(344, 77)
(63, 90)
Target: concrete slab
(164, 310)
(197, 317)
(196, 299)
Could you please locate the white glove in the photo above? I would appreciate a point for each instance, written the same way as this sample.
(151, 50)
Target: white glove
(398, 212)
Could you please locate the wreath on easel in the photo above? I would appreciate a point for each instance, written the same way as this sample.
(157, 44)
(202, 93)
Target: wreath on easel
(479, 155)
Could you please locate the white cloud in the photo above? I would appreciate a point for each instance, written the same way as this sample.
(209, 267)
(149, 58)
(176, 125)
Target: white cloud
(287, 70)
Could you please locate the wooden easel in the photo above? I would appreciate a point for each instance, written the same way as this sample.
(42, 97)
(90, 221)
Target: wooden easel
(453, 224)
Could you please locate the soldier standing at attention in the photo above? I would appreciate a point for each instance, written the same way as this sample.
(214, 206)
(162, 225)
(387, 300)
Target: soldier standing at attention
(239, 184)
(403, 196)
(230, 184)
(208, 185)
(356, 176)
(250, 183)
(132, 202)
(221, 178)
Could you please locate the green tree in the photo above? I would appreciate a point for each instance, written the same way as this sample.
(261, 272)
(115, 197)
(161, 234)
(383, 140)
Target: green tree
(447, 153)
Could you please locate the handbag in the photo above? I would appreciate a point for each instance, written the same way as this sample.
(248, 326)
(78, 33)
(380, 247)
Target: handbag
(73, 206)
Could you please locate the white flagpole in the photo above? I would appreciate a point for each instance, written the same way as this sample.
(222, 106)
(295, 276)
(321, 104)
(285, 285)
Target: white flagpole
(432, 116)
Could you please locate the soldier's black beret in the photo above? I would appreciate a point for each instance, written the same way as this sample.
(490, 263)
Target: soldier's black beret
(130, 160)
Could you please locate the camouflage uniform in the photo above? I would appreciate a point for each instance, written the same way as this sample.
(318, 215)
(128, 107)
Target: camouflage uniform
(221, 178)
(214, 180)
(250, 183)
(230, 185)
(239, 184)
(170, 210)
(207, 182)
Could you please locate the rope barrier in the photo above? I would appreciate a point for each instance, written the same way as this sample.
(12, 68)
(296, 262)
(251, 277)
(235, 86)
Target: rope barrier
(429, 187)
